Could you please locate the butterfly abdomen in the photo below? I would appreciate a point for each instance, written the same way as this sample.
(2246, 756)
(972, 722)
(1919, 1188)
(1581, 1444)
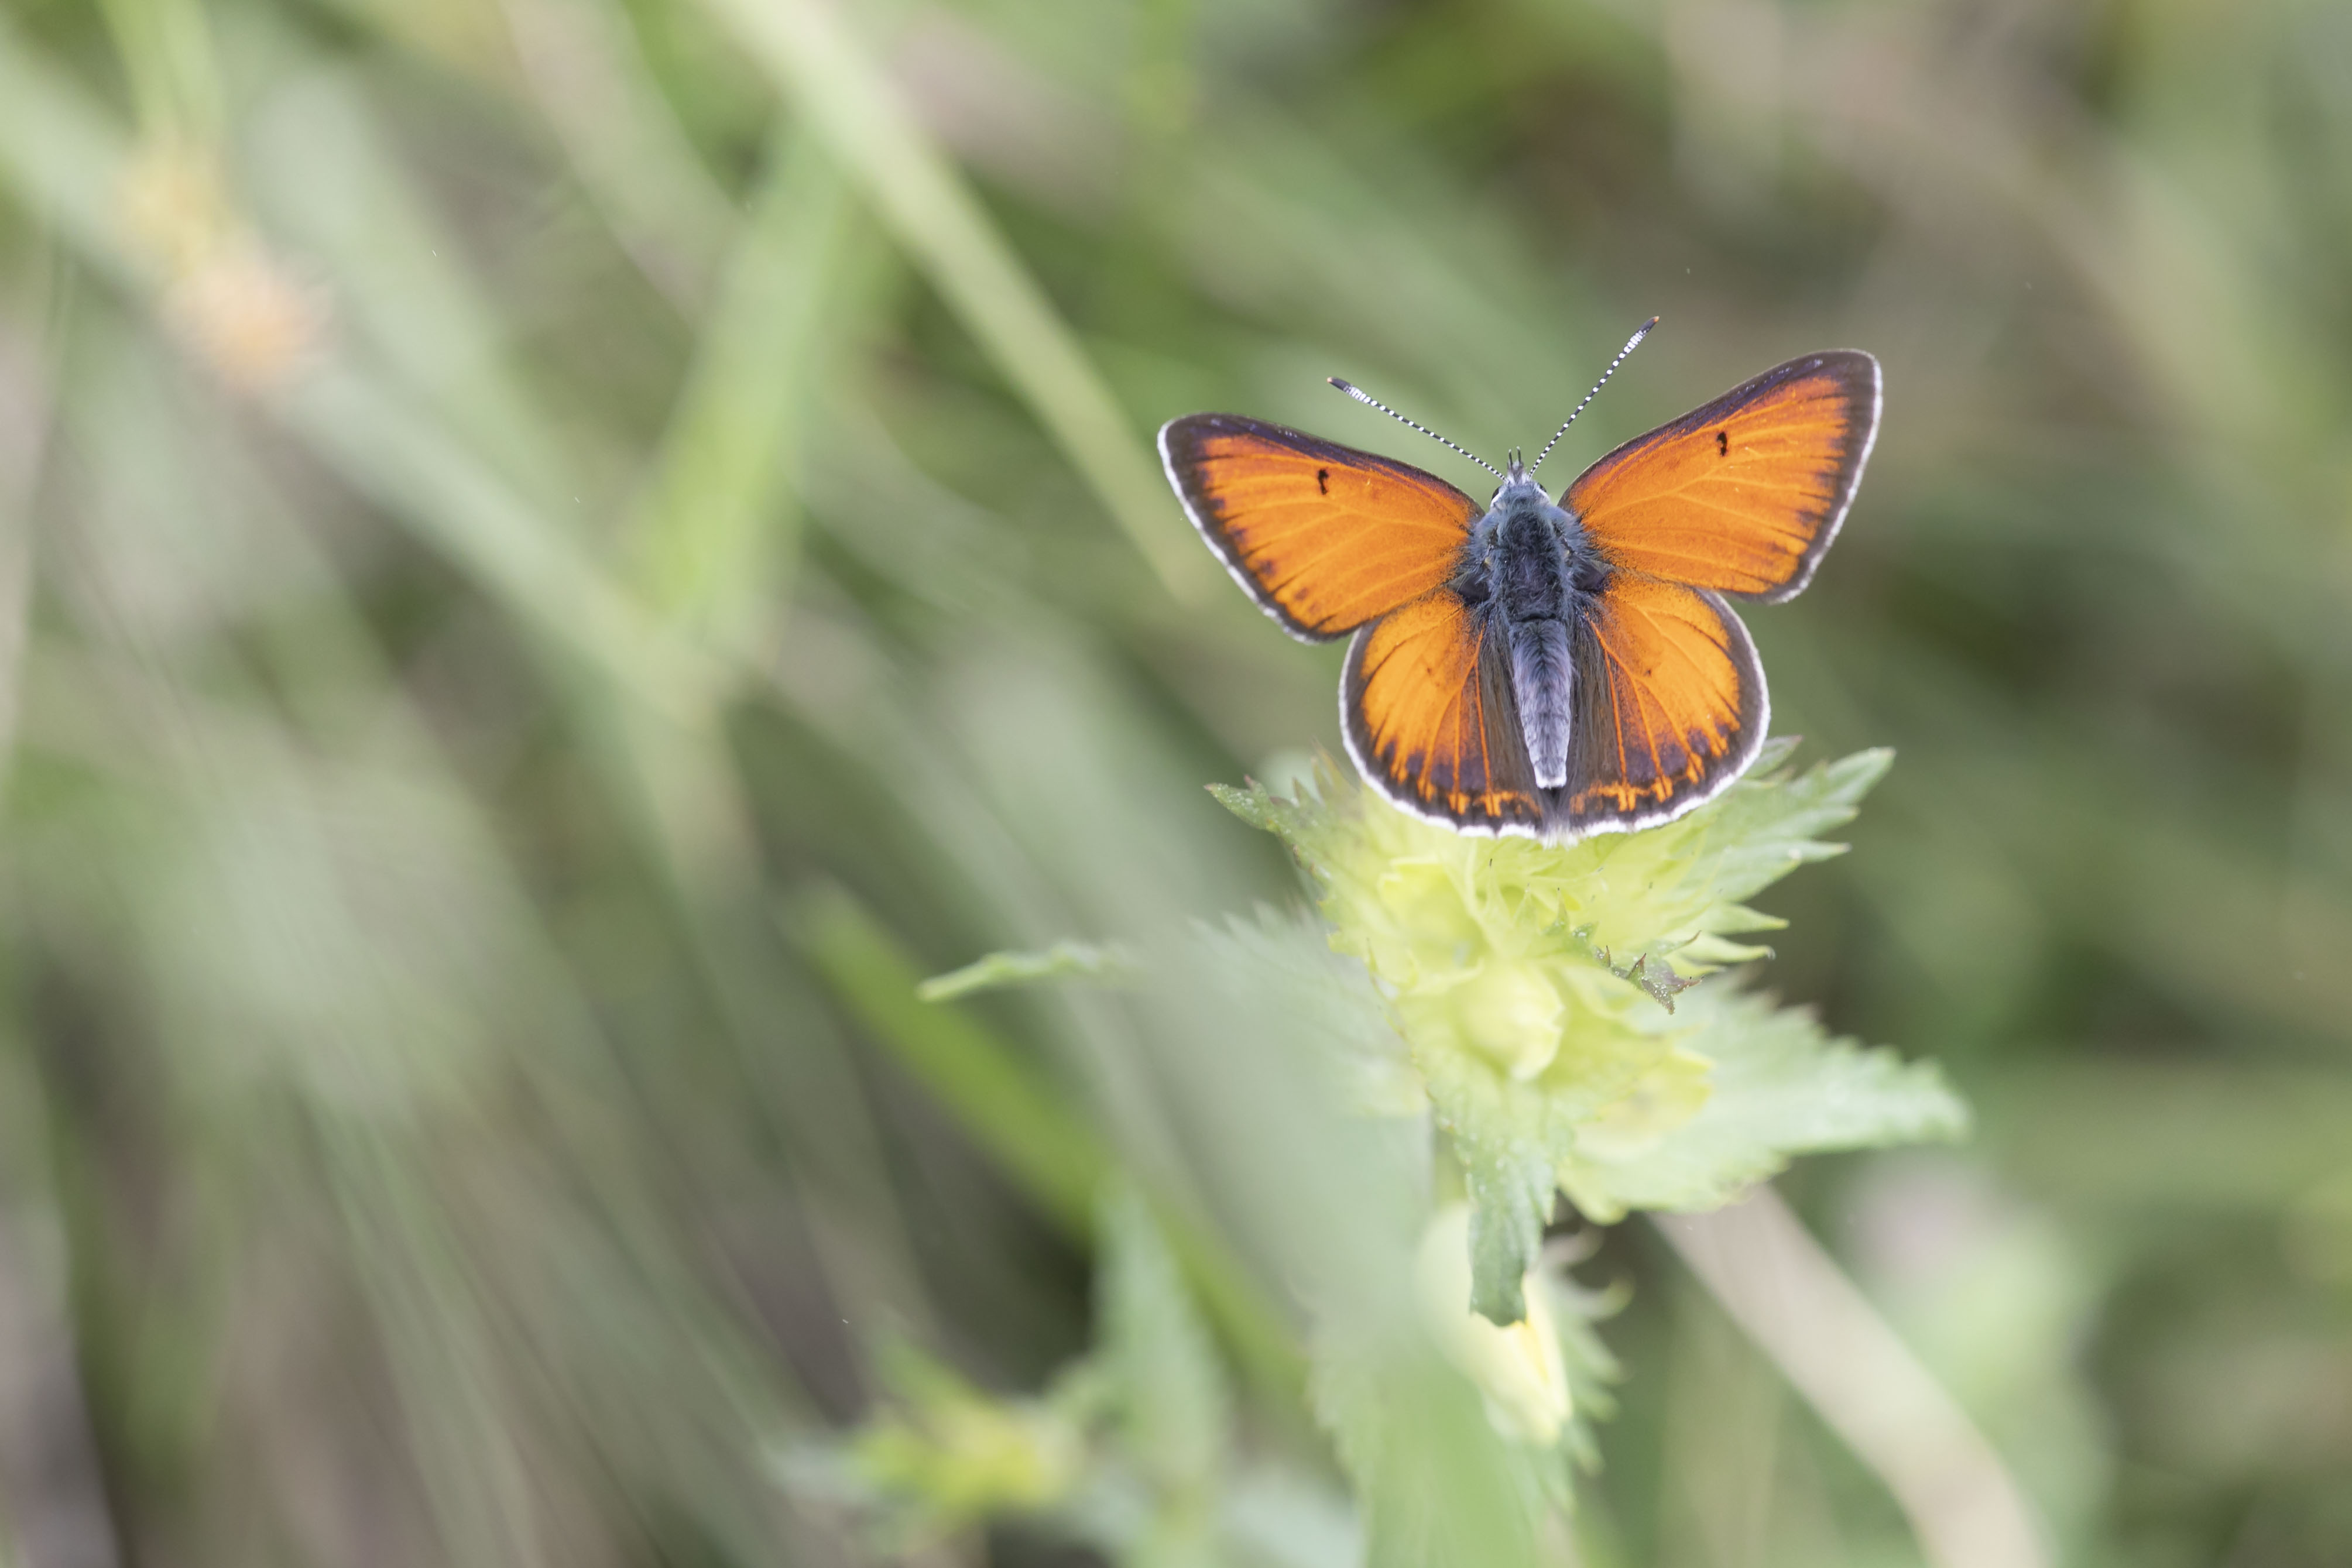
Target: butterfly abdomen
(1534, 596)
(1542, 679)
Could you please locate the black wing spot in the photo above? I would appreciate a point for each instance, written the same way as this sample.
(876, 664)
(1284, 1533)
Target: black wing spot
(1722, 444)
(1323, 481)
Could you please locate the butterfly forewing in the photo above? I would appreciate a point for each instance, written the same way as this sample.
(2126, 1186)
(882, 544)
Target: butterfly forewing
(1426, 703)
(1324, 537)
(1744, 495)
(1670, 705)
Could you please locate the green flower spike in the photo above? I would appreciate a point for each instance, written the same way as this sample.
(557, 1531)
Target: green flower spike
(1545, 993)
(1131, 1450)
(943, 1455)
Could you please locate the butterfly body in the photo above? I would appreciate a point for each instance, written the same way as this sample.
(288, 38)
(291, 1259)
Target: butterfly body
(1553, 668)
(1530, 572)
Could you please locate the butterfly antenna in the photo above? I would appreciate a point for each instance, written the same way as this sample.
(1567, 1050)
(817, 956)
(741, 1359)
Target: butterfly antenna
(1632, 343)
(1360, 395)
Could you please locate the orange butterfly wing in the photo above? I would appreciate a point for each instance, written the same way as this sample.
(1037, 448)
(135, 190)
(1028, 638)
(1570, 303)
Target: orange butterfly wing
(1670, 707)
(1744, 495)
(1427, 707)
(1324, 537)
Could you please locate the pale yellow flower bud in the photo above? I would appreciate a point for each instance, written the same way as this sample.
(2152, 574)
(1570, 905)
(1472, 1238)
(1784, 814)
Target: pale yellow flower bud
(1519, 1369)
(228, 298)
(1512, 1013)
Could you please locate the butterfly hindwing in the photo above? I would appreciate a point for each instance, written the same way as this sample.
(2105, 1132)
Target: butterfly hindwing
(1670, 706)
(1324, 537)
(1744, 495)
(1425, 703)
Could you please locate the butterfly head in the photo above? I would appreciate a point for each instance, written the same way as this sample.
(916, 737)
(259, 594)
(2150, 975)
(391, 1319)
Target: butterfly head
(1519, 488)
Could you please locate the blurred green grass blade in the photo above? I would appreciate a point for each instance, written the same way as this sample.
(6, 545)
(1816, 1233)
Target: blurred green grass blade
(66, 160)
(433, 1331)
(1956, 1493)
(834, 80)
(25, 413)
(391, 450)
(69, 165)
(396, 453)
(668, 756)
(1052, 1156)
(633, 157)
(2173, 1139)
(686, 805)
(719, 528)
(404, 966)
(387, 451)
(323, 177)
(50, 1468)
(1016, 1116)
(167, 56)
(1332, 241)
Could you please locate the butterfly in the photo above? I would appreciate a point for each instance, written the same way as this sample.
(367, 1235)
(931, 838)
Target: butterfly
(1548, 669)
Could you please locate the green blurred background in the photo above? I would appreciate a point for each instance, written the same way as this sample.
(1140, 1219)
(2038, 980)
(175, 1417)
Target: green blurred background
(554, 553)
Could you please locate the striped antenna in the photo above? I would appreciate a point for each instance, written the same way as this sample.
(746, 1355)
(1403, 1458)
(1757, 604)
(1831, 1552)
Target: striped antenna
(1360, 395)
(1632, 343)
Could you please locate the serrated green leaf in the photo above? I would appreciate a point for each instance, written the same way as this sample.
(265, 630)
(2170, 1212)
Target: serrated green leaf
(1684, 881)
(1768, 826)
(1252, 804)
(1511, 1197)
(1577, 1313)
(1066, 960)
(1780, 1086)
(1327, 1005)
(1511, 1140)
(1175, 1409)
(1436, 1483)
